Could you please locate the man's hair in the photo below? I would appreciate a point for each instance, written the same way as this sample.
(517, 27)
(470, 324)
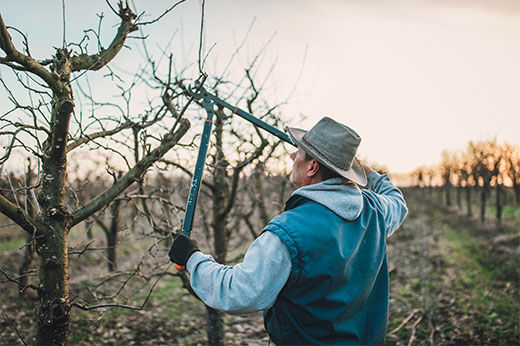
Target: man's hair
(324, 171)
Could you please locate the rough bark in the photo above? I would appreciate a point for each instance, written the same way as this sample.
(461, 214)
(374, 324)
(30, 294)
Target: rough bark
(53, 308)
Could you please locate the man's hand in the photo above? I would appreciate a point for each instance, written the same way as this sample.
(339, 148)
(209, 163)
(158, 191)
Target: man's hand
(181, 250)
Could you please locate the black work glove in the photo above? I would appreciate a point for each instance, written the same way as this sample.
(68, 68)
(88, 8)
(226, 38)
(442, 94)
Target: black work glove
(181, 250)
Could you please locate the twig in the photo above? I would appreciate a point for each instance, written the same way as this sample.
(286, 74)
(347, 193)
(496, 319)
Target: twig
(17, 282)
(412, 337)
(87, 308)
(63, 12)
(86, 248)
(163, 14)
(414, 311)
(14, 327)
(113, 10)
(201, 35)
(12, 189)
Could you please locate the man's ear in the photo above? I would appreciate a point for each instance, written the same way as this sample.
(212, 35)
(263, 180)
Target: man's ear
(313, 168)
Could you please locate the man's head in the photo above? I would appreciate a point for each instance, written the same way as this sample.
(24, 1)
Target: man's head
(325, 151)
(307, 170)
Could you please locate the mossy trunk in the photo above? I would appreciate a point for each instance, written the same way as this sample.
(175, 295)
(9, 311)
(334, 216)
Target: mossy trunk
(53, 307)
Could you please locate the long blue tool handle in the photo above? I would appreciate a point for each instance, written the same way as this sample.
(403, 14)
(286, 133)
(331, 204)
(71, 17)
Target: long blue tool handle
(262, 124)
(208, 101)
(199, 169)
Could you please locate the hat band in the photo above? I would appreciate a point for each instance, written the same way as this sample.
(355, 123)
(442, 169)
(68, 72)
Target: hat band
(331, 160)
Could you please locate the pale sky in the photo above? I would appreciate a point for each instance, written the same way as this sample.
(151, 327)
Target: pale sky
(411, 77)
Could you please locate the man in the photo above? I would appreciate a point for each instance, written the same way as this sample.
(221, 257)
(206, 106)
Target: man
(319, 270)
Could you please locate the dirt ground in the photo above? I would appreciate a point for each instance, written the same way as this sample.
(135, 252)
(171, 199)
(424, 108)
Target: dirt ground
(452, 281)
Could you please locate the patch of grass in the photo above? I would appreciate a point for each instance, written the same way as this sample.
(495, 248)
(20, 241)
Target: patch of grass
(512, 213)
(497, 311)
(12, 244)
(81, 333)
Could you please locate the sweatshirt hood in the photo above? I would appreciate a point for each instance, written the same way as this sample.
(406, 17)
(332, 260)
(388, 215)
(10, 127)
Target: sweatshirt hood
(337, 194)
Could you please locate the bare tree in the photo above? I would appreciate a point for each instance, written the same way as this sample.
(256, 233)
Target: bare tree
(447, 168)
(47, 125)
(512, 168)
(235, 146)
(225, 169)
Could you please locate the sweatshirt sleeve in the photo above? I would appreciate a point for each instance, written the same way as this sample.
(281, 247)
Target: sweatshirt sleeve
(392, 200)
(250, 286)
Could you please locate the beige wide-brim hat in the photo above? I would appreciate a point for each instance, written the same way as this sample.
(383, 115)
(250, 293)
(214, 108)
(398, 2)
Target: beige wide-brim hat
(333, 145)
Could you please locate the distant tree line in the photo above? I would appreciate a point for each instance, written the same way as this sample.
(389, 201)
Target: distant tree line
(486, 173)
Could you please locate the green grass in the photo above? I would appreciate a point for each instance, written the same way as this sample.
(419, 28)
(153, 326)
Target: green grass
(512, 213)
(81, 332)
(12, 244)
(479, 275)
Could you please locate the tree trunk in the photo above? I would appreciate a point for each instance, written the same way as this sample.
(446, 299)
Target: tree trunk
(111, 249)
(219, 196)
(26, 263)
(112, 234)
(499, 206)
(281, 196)
(260, 194)
(214, 326)
(447, 192)
(459, 196)
(53, 308)
(468, 200)
(483, 198)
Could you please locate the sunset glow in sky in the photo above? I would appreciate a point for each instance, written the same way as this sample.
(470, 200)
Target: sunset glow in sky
(411, 77)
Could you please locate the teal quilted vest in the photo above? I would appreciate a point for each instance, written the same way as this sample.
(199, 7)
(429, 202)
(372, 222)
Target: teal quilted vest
(337, 292)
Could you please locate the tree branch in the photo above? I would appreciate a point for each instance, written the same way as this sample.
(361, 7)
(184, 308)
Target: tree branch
(236, 175)
(104, 56)
(27, 63)
(90, 137)
(132, 175)
(18, 215)
(188, 172)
